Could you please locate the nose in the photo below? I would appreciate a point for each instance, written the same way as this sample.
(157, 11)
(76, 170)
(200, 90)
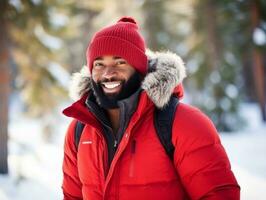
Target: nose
(110, 71)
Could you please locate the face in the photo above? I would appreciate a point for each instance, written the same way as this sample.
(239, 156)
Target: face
(111, 72)
(113, 79)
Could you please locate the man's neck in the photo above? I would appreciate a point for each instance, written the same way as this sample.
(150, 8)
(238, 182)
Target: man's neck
(114, 115)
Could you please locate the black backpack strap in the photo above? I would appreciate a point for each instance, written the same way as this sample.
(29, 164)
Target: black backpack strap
(163, 122)
(78, 131)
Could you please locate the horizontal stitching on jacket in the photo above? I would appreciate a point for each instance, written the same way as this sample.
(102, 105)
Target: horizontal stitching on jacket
(149, 184)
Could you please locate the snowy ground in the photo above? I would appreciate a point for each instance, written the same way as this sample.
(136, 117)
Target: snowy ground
(246, 151)
(35, 166)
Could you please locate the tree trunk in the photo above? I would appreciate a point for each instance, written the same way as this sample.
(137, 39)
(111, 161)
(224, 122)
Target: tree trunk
(4, 90)
(213, 40)
(258, 67)
(153, 23)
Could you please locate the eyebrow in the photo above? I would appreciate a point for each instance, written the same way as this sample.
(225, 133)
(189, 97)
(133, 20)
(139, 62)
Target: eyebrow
(115, 58)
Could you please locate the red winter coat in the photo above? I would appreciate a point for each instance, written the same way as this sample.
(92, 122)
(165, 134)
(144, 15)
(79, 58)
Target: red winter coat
(140, 169)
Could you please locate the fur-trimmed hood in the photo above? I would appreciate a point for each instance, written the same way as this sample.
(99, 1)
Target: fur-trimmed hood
(166, 72)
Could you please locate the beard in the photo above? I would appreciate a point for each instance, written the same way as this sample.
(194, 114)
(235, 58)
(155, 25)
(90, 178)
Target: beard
(110, 101)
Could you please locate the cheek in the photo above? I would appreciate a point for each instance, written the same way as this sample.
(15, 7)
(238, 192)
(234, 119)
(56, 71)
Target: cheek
(130, 73)
(95, 76)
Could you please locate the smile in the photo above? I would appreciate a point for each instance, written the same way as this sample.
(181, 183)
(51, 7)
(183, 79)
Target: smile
(111, 87)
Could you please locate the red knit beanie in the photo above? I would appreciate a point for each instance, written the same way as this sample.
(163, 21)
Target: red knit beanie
(121, 39)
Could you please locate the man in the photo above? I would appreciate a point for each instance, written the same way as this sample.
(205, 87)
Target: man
(119, 155)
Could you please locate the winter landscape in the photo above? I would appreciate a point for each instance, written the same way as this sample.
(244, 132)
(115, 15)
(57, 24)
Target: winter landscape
(222, 43)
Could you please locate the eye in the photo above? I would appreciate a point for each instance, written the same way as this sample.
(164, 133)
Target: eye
(121, 62)
(97, 64)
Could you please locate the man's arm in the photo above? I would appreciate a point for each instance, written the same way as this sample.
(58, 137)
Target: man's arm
(200, 158)
(71, 183)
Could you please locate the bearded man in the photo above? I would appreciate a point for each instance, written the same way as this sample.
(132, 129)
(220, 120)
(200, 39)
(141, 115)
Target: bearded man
(117, 153)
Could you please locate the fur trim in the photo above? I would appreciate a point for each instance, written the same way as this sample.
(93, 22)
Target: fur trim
(166, 70)
(80, 83)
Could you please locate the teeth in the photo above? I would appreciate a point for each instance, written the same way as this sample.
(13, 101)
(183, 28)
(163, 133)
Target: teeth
(111, 85)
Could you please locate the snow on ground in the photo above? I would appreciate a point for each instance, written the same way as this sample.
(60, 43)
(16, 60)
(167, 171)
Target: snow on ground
(35, 166)
(246, 151)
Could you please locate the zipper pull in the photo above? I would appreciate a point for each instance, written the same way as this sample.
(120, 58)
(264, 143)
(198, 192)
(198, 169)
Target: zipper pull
(115, 143)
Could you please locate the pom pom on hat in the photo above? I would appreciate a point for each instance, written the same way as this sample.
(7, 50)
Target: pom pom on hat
(121, 39)
(127, 19)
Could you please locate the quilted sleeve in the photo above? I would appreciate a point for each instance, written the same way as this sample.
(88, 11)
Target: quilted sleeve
(200, 159)
(72, 187)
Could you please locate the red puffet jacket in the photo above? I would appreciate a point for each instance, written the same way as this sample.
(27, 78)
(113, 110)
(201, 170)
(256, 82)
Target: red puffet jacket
(140, 169)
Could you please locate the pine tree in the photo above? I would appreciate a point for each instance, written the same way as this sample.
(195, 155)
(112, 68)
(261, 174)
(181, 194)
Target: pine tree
(256, 9)
(217, 80)
(31, 37)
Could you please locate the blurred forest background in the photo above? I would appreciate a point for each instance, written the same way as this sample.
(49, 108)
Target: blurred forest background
(223, 44)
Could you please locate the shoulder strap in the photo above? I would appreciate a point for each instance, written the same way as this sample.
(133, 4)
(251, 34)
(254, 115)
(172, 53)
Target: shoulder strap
(163, 122)
(78, 131)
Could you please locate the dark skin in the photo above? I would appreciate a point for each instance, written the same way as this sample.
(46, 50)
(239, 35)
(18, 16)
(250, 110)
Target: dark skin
(111, 71)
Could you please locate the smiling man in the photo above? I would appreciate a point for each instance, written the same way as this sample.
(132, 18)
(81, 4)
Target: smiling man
(113, 79)
(114, 146)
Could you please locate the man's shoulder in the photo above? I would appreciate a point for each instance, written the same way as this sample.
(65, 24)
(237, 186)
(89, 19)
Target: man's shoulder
(71, 127)
(190, 122)
(191, 113)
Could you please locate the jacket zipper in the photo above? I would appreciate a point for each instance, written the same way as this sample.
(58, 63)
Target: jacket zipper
(115, 143)
(105, 159)
(132, 162)
(133, 150)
